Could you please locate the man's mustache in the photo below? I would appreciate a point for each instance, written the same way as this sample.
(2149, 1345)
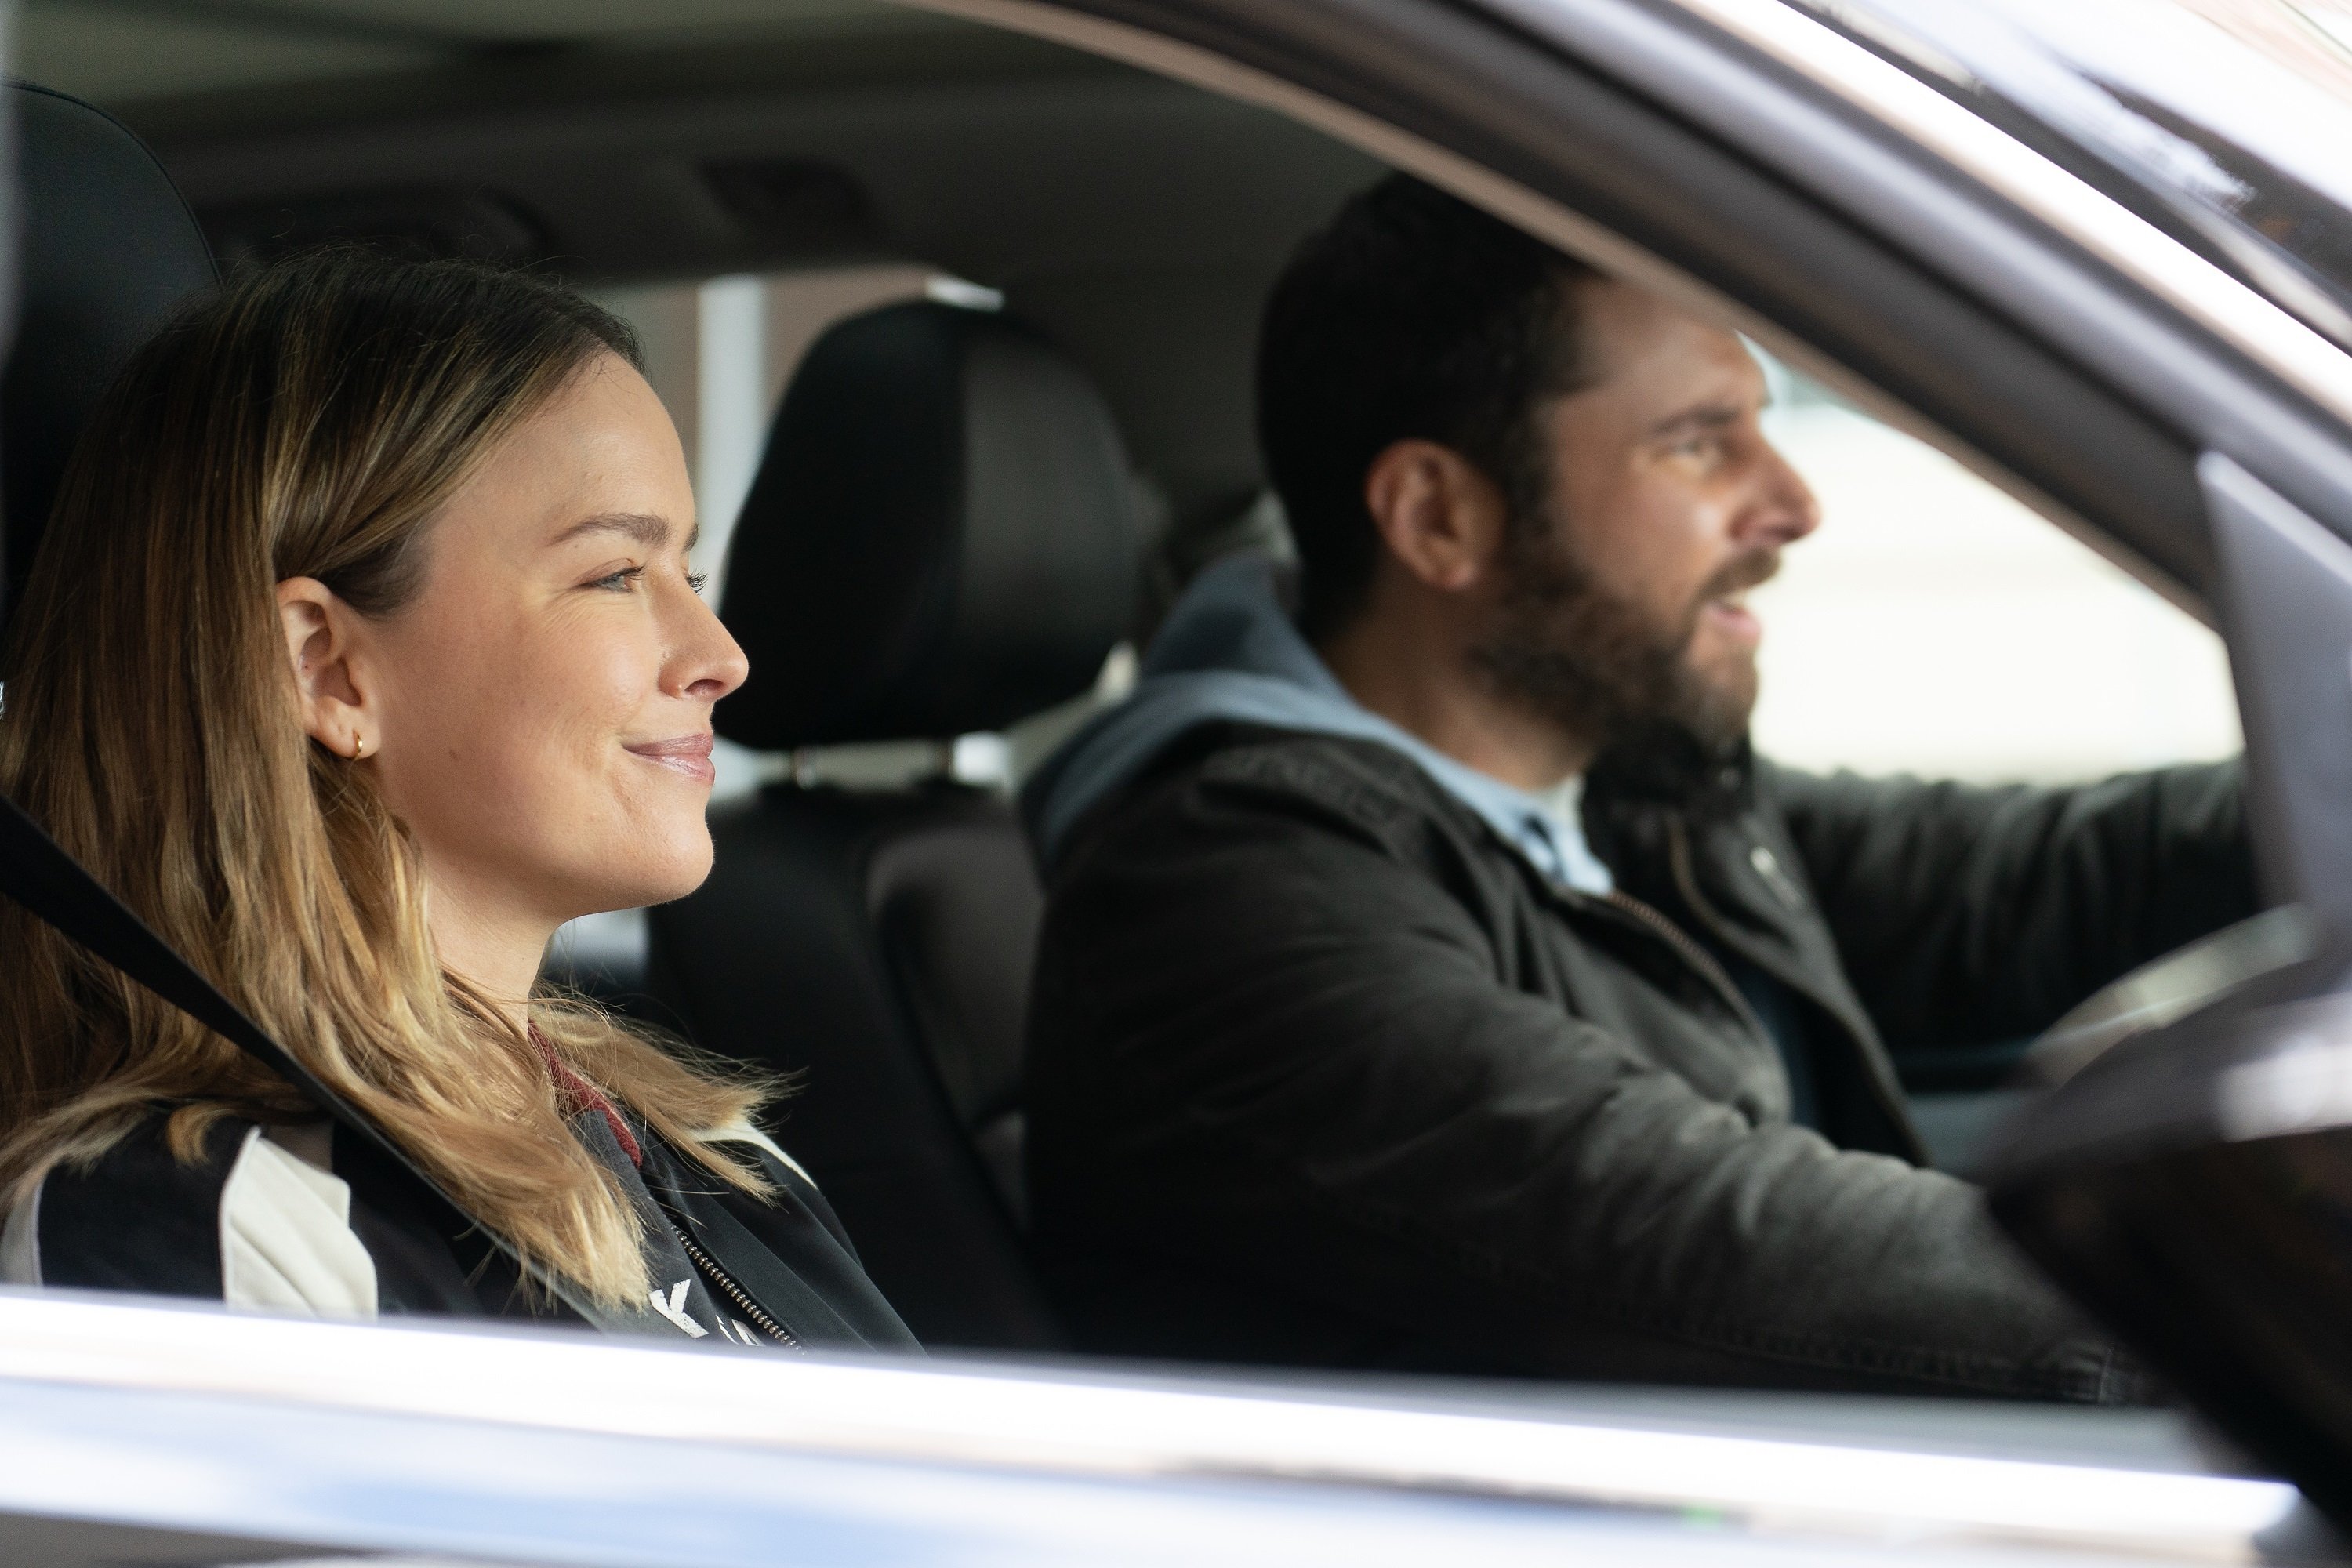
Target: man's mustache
(1744, 572)
(1739, 573)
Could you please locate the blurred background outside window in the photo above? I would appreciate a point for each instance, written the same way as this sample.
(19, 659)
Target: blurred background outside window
(1935, 626)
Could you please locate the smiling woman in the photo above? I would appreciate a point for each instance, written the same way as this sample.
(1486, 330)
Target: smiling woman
(365, 600)
(578, 784)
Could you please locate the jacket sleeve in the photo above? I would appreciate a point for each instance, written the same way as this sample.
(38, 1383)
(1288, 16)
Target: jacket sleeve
(1273, 1039)
(1968, 915)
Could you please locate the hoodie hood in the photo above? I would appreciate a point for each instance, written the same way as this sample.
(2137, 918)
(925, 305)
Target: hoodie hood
(1229, 654)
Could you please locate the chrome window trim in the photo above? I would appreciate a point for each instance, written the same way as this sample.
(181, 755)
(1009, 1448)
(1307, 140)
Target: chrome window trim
(1105, 1425)
(2231, 310)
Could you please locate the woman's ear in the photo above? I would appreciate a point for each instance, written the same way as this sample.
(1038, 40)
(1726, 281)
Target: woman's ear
(334, 693)
(1437, 513)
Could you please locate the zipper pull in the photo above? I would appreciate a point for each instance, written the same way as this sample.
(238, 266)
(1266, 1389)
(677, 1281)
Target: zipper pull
(1784, 887)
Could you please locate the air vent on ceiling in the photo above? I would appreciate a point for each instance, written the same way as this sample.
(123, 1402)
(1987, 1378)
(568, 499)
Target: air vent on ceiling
(418, 222)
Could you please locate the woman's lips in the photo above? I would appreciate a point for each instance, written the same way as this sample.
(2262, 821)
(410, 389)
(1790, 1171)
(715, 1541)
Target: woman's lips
(687, 754)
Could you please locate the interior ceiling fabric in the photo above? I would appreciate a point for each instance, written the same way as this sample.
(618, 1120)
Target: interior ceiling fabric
(119, 51)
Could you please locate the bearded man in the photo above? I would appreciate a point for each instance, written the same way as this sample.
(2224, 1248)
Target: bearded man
(1432, 979)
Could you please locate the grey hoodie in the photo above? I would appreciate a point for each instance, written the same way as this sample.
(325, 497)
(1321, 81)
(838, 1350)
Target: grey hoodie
(1229, 654)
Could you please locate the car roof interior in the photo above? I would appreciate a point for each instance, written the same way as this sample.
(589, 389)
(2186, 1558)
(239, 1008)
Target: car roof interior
(1136, 221)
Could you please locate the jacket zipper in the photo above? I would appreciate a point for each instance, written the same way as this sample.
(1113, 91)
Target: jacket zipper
(1692, 954)
(724, 1283)
(1680, 940)
(1678, 857)
(1686, 883)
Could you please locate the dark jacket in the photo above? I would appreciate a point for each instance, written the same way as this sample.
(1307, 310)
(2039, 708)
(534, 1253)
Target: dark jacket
(312, 1221)
(1324, 1071)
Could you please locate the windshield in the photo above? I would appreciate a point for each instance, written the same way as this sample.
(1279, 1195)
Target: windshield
(2225, 122)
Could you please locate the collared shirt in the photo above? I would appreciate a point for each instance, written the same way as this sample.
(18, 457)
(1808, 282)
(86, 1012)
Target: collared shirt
(1546, 828)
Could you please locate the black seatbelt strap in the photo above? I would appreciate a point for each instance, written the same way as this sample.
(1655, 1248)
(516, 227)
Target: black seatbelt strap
(53, 886)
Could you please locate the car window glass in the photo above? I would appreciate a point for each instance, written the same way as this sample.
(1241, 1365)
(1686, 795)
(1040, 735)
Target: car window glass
(1935, 625)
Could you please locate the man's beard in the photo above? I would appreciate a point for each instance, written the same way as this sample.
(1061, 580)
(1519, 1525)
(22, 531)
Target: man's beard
(1609, 671)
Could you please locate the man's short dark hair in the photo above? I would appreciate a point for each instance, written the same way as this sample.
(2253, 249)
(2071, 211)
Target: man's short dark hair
(1413, 314)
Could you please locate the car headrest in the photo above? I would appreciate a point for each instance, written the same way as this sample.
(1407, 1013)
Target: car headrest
(109, 248)
(941, 538)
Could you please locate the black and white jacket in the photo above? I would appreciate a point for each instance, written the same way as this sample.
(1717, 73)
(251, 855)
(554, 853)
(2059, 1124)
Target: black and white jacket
(311, 1220)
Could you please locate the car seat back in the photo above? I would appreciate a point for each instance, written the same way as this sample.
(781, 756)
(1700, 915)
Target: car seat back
(108, 248)
(940, 541)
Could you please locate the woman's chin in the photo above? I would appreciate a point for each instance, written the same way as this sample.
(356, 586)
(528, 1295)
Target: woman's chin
(654, 880)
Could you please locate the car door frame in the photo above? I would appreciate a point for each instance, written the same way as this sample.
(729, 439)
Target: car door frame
(1655, 142)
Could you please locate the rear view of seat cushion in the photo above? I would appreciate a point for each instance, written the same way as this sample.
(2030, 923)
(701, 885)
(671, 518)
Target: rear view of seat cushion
(956, 907)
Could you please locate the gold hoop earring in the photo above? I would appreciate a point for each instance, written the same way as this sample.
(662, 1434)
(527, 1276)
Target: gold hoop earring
(359, 747)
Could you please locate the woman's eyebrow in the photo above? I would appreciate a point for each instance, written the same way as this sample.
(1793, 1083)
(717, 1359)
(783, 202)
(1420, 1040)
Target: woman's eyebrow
(651, 532)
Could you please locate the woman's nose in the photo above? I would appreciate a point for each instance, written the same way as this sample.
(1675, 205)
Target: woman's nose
(710, 662)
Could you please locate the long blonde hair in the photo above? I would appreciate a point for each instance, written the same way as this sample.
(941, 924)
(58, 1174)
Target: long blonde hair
(310, 420)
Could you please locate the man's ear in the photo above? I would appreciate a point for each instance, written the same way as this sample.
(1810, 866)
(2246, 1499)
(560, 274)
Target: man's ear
(1439, 514)
(334, 696)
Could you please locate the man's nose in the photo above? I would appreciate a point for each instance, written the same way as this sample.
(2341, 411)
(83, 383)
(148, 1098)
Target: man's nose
(1785, 510)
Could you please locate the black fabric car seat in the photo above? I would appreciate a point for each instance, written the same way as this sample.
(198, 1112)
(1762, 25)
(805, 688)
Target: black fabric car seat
(108, 249)
(940, 541)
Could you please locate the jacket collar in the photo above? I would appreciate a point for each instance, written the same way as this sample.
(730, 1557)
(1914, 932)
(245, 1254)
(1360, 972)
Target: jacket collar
(1230, 654)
